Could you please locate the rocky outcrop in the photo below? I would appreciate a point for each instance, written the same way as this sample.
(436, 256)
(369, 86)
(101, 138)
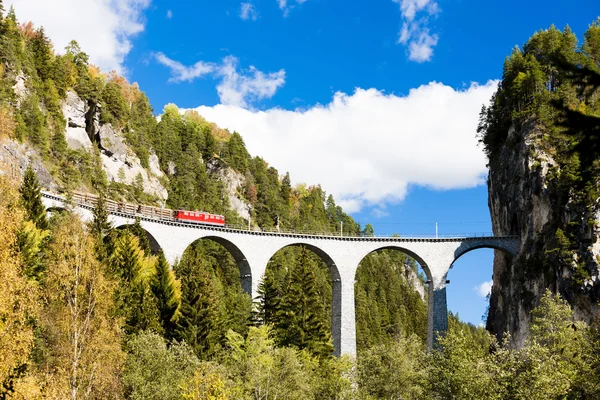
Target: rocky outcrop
(414, 281)
(84, 131)
(74, 110)
(15, 157)
(524, 200)
(233, 181)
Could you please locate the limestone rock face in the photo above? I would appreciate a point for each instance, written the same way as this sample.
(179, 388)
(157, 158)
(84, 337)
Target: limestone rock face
(15, 157)
(414, 282)
(523, 202)
(20, 89)
(84, 131)
(233, 181)
(111, 143)
(74, 110)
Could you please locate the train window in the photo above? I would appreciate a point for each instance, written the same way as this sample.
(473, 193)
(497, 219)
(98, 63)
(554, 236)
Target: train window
(185, 213)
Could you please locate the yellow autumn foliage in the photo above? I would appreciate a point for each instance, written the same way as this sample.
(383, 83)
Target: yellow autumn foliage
(84, 354)
(18, 296)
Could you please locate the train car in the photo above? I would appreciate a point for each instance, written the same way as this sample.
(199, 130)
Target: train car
(199, 217)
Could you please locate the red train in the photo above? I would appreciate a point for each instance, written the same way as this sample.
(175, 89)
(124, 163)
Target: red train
(201, 217)
(151, 211)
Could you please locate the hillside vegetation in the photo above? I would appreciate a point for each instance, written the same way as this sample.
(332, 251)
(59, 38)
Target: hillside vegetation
(89, 311)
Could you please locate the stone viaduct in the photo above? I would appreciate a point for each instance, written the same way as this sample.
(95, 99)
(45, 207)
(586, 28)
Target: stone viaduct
(252, 250)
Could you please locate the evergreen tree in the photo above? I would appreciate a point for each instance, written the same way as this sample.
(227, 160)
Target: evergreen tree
(303, 323)
(42, 54)
(101, 229)
(269, 300)
(135, 300)
(236, 154)
(141, 234)
(198, 322)
(167, 294)
(32, 199)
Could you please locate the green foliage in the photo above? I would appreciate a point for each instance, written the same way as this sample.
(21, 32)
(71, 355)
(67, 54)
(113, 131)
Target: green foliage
(387, 305)
(550, 91)
(31, 199)
(557, 361)
(295, 298)
(168, 296)
(155, 369)
(135, 301)
(396, 369)
(31, 123)
(235, 153)
(212, 300)
(114, 106)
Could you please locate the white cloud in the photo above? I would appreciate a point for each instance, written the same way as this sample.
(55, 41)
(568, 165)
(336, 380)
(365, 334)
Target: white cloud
(248, 11)
(286, 7)
(414, 32)
(181, 73)
(421, 49)
(484, 289)
(236, 87)
(368, 147)
(169, 14)
(103, 28)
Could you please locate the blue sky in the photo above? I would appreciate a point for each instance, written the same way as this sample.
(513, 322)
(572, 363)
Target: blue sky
(376, 100)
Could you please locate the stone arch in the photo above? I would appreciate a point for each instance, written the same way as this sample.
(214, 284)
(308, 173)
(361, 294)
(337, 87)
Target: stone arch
(404, 250)
(426, 296)
(508, 246)
(336, 292)
(238, 256)
(155, 247)
(53, 209)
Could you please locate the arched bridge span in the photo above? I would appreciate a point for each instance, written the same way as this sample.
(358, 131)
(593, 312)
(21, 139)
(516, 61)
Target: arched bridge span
(252, 251)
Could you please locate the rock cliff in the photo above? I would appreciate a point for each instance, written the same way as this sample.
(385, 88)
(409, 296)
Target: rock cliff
(525, 200)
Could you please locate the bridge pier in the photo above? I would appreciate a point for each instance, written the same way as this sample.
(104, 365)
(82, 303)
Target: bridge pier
(437, 316)
(343, 324)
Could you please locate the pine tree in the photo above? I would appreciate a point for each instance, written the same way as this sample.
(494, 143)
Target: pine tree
(269, 301)
(101, 229)
(32, 199)
(168, 296)
(141, 234)
(135, 300)
(302, 323)
(198, 322)
(42, 54)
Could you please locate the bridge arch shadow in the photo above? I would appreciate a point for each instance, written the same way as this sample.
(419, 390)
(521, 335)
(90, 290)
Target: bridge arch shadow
(390, 296)
(336, 289)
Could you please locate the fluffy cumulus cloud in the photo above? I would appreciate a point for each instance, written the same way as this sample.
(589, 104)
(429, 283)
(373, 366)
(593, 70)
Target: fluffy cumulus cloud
(415, 33)
(366, 148)
(484, 289)
(104, 28)
(248, 12)
(236, 87)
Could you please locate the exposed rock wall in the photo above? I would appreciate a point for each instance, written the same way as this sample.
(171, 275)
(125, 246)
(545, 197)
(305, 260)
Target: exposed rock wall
(523, 201)
(83, 131)
(15, 158)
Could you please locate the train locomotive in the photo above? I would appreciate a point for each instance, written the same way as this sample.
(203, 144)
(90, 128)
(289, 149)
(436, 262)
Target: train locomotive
(165, 214)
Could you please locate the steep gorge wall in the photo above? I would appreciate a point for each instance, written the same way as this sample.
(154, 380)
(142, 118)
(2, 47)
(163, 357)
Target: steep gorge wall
(525, 200)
